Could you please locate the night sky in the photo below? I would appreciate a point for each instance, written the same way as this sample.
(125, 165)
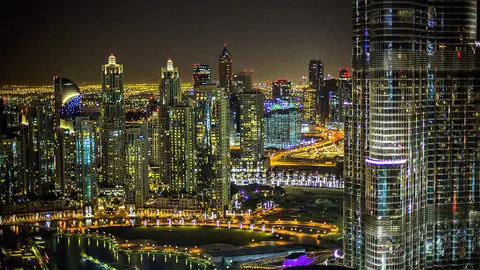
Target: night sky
(276, 38)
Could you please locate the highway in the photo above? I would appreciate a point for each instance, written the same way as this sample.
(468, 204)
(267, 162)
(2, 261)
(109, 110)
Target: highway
(311, 155)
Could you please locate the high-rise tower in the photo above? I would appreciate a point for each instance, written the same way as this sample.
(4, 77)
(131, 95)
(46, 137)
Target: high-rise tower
(86, 140)
(252, 135)
(66, 106)
(40, 144)
(201, 75)
(385, 194)
(454, 149)
(225, 70)
(212, 144)
(136, 184)
(112, 125)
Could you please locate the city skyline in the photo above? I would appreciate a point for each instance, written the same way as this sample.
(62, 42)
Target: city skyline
(266, 38)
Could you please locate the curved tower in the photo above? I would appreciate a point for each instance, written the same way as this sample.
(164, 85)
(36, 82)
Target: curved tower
(67, 106)
(385, 189)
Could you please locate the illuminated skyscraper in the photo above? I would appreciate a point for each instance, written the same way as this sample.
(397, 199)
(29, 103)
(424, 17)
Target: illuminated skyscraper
(242, 81)
(411, 151)
(283, 124)
(315, 74)
(201, 74)
(281, 89)
(169, 95)
(386, 192)
(180, 162)
(112, 125)
(153, 137)
(169, 89)
(309, 105)
(66, 106)
(225, 75)
(252, 136)
(212, 144)
(11, 170)
(316, 81)
(454, 122)
(40, 156)
(136, 183)
(87, 143)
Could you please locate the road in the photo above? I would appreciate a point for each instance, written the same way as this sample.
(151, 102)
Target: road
(297, 156)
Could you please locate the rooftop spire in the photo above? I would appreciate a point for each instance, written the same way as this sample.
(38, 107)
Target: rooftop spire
(170, 65)
(112, 60)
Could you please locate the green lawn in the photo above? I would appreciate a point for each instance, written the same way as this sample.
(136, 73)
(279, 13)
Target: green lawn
(189, 236)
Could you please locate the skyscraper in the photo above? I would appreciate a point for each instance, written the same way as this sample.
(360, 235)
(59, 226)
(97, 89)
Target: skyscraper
(242, 81)
(87, 144)
(66, 106)
(454, 150)
(225, 70)
(281, 89)
(283, 123)
(112, 125)
(11, 169)
(212, 146)
(315, 74)
(169, 95)
(201, 74)
(316, 81)
(180, 163)
(410, 198)
(252, 135)
(136, 183)
(40, 143)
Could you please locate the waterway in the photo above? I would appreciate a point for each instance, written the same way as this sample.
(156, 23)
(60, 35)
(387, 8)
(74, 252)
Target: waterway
(71, 252)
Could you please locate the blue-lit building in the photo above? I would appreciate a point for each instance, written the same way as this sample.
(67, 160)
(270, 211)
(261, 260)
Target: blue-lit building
(67, 107)
(87, 143)
(283, 124)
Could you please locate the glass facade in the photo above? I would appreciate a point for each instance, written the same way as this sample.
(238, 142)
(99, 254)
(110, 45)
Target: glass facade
(212, 145)
(411, 140)
(86, 141)
(283, 124)
(252, 136)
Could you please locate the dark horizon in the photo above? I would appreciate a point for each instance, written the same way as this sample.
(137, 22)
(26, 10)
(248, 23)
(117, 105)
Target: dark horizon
(274, 38)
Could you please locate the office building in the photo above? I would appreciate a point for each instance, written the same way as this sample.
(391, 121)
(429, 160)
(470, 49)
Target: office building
(212, 146)
(11, 170)
(201, 74)
(153, 138)
(67, 106)
(181, 157)
(169, 95)
(281, 89)
(136, 183)
(112, 125)
(39, 143)
(225, 70)
(331, 113)
(242, 81)
(252, 136)
(283, 123)
(309, 105)
(315, 74)
(87, 152)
